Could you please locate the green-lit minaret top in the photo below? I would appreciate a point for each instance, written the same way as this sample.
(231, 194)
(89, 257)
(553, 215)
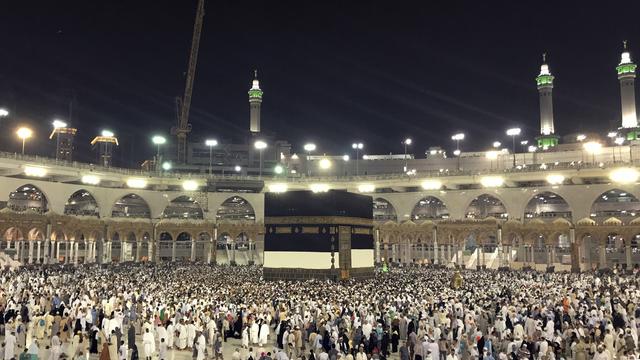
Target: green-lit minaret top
(626, 66)
(255, 92)
(545, 77)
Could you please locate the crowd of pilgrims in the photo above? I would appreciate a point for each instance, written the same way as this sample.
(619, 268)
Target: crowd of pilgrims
(407, 313)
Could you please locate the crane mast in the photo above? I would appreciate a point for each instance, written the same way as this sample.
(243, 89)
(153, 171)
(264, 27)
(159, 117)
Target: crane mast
(183, 126)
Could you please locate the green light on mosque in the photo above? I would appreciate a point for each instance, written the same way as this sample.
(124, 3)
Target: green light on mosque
(626, 69)
(255, 93)
(545, 80)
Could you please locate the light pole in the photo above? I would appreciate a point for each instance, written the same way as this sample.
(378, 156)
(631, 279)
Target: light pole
(260, 145)
(211, 143)
(406, 143)
(513, 132)
(357, 147)
(613, 135)
(4, 112)
(158, 140)
(524, 144)
(309, 148)
(457, 138)
(592, 147)
(58, 124)
(619, 141)
(24, 133)
(532, 149)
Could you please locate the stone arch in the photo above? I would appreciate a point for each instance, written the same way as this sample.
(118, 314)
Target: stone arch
(616, 203)
(82, 203)
(58, 235)
(28, 197)
(547, 205)
(13, 234)
(429, 208)
(183, 207)
(132, 206)
(383, 210)
(35, 234)
(183, 246)
(241, 241)
(486, 205)
(236, 208)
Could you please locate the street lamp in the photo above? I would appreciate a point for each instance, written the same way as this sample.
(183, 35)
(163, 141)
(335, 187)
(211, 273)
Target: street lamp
(524, 144)
(57, 124)
(613, 135)
(357, 147)
(211, 143)
(497, 144)
(260, 145)
(513, 132)
(24, 133)
(619, 141)
(4, 112)
(457, 138)
(309, 148)
(581, 137)
(592, 147)
(406, 143)
(158, 140)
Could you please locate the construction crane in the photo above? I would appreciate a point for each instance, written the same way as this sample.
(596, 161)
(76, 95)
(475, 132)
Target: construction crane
(183, 104)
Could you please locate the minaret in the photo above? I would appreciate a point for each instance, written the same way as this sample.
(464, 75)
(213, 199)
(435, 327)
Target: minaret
(255, 101)
(544, 81)
(627, 74)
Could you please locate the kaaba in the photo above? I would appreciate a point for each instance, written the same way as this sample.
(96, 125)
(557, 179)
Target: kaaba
(326, 235)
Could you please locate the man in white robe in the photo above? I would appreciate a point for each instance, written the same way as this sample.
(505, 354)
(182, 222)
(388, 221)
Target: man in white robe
(149, 344)
(10, 346)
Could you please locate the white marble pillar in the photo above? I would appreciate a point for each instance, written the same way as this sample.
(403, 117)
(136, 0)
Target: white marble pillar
(57, 257)
(150, 250)
(209, 250)
(434, 235)
(394, 255)
(173, 251)
(377, 251)
(603, 257)
(31, 252)
(38, 252)
(123, 250)
(193, 250)
(75, 253)
(45, 252)
(138, 251)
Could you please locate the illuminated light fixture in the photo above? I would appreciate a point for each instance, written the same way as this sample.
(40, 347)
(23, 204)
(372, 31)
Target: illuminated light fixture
(456, 152)
(619, 141)
(278, 169)
(158, 140)
(35, 171)
(294, 157)
(612, 134)
(190, 185)
(309, 147)
(325, 164)
(107, 133)
(581, 137)
(137, 183)
(260, 145)
(358, 146)
(407, 141)
(90, 180)
(513, 132)
(278, 188)
(211, 142)
(555, 179)
(532, 149)
(59, 124)
(592, 147)
(492, 181)
(317, 188)
(366, 188)
(492, 155)
(431, 184)
(237, 168)
(624, 175)
(4, 112)
(458, 137)
(166, 166)
(345, 157)
(497, 144)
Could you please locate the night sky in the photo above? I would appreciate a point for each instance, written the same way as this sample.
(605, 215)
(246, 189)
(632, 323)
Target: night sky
(332, 72)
